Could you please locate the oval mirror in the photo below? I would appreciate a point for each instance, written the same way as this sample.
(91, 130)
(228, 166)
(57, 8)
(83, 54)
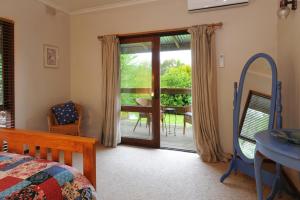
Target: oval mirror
(256, 99)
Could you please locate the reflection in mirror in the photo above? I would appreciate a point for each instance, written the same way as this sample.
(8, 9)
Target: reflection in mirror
(255, 118)
(255, 104)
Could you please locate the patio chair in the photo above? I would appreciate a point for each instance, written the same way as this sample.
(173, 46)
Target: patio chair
(142, 115)
(68, 129)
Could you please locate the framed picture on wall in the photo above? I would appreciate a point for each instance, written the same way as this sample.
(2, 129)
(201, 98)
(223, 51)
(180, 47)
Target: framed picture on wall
(51, 56)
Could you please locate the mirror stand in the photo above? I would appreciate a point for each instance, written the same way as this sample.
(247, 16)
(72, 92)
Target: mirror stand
(238, 164)
(240, 161)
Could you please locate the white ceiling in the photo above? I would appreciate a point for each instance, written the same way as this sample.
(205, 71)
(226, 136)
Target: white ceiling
(84, 6)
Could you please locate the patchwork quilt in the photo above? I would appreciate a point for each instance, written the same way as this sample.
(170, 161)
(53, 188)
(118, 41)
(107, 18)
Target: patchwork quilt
(24, 177)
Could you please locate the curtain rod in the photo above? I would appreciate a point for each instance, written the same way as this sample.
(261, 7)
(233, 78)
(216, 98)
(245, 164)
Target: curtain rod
(184, 29)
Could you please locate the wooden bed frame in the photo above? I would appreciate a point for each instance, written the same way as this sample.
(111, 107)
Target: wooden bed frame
(38, 143)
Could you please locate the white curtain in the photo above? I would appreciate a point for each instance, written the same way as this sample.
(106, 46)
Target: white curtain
(204, 94)
(110, 91)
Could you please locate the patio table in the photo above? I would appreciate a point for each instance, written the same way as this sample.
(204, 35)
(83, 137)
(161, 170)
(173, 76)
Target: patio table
(170, 111)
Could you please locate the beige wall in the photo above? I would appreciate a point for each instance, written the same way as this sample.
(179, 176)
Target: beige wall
(289, 72)
(247, 30)
(36, 88)
(289, 67)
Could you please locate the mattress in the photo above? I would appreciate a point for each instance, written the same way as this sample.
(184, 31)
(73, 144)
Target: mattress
(25, 177)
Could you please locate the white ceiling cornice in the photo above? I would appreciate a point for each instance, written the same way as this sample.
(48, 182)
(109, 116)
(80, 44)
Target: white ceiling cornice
(110, 6)
(96, 8)
(54, 5)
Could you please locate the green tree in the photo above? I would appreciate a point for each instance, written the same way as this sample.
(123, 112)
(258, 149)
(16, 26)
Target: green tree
(176, 77)
(168, 64)
(134, 74)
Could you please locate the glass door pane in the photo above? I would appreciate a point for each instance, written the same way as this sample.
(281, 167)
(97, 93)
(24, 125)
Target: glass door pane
(175, 95)
(136, 90)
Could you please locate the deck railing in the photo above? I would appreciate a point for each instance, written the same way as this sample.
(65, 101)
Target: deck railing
(162, 90)
(169, 91)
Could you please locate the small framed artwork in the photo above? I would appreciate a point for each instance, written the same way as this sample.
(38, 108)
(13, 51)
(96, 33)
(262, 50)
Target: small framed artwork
(51, 56)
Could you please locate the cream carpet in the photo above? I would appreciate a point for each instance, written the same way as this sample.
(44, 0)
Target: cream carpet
(131, 173)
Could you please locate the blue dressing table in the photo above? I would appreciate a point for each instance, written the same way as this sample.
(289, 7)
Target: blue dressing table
(280, 151)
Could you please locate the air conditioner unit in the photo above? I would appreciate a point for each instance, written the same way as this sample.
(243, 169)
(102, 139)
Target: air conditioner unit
(198, 5)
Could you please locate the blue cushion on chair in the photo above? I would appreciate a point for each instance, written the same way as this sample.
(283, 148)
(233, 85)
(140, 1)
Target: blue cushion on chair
(65, 113)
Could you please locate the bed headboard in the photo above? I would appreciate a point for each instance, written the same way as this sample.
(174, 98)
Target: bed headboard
(40, 144)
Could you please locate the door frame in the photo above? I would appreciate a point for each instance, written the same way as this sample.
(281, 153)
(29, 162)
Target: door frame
(154, 37)
(155, 108)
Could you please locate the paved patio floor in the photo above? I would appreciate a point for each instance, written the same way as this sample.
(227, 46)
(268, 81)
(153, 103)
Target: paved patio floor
(169, 140)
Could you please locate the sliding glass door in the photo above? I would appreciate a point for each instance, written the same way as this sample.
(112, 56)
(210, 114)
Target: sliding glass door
(156, 91)
(176, 95)
(140, 116)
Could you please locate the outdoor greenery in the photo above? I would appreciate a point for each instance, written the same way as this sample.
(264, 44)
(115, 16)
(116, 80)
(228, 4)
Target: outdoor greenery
(174, 74)
(134, 75)
(178, 76)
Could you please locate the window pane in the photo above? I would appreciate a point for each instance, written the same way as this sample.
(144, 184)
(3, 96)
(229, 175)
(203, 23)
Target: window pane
(136, 73)
(175, 92)
(7, 74)
(1, 66)
(175, 70)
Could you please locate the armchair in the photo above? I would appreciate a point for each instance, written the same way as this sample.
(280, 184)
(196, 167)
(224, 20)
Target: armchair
(68, 129)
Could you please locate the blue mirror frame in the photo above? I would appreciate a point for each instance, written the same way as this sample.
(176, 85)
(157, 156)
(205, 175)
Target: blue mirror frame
(238, 97)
